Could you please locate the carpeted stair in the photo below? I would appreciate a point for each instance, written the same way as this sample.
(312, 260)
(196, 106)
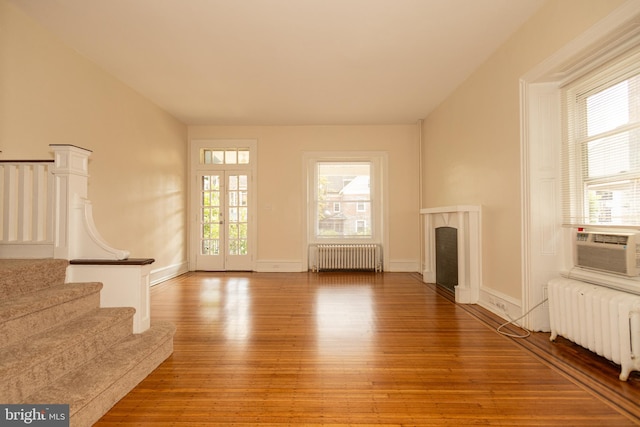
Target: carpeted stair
(58, 346)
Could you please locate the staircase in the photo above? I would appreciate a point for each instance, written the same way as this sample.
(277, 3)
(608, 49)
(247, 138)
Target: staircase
(57, 346)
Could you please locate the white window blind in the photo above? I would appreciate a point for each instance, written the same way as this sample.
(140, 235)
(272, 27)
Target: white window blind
(601, 154)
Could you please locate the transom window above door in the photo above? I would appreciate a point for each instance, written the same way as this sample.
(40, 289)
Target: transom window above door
(224, 156)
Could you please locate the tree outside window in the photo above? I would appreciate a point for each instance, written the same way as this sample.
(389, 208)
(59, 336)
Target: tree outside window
(343, 199)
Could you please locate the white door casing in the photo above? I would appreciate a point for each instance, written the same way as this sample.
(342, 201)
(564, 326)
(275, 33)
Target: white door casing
(222, 205)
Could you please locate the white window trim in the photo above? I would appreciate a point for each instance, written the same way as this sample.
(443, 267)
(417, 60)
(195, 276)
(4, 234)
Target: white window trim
(379, 188)
(546, 245)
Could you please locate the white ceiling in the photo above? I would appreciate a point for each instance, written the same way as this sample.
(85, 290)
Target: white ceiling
(287, 62)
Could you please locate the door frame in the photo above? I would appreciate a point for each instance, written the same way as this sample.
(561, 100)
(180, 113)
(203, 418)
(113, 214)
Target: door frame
(195, 167)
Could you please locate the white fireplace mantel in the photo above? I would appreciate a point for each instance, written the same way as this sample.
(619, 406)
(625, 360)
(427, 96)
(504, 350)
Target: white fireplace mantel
(467, 220)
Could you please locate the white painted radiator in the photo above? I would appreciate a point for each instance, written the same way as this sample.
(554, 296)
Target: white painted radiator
(603, 320)
(346, 257)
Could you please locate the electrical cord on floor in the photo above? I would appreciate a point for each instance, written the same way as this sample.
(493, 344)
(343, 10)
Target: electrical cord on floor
(512, 321)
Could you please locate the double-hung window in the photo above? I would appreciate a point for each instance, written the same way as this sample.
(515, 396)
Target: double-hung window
(345, 197)
(343, 185)
(601, 154)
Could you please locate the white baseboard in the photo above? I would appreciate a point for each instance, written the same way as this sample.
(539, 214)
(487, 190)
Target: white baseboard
(403, 266)
(283, 266)
(500, 304)
(279, 266)
(165, 273)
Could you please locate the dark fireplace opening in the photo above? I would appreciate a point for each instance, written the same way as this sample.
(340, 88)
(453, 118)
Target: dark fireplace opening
(447, 257)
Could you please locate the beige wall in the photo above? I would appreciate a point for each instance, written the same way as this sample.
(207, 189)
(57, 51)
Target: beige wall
(471, 142)
(280, 181)
(50, 94)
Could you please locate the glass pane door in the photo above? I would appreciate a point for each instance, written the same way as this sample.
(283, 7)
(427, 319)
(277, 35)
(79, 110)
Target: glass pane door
(210, 255)
(223, 221)
(238, 257)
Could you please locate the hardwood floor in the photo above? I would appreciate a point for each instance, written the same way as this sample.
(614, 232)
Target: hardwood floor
(357, 349)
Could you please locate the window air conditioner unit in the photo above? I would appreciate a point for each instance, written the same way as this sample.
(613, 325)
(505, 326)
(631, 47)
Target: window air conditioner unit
(611, 252)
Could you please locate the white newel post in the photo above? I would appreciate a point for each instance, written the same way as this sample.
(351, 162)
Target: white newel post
(71, 175)
(467, 221)
(75, 234)
(125, 281)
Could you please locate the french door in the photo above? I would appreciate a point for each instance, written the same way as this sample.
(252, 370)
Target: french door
(223, 226)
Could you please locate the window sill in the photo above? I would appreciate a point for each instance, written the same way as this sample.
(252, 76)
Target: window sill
(615, 281)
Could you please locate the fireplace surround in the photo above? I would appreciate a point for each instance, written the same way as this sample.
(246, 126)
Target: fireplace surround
(467, 221)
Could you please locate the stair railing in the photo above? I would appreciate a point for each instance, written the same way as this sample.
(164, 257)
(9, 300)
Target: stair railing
(26, 209)
(45, 213)
(45, 209)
